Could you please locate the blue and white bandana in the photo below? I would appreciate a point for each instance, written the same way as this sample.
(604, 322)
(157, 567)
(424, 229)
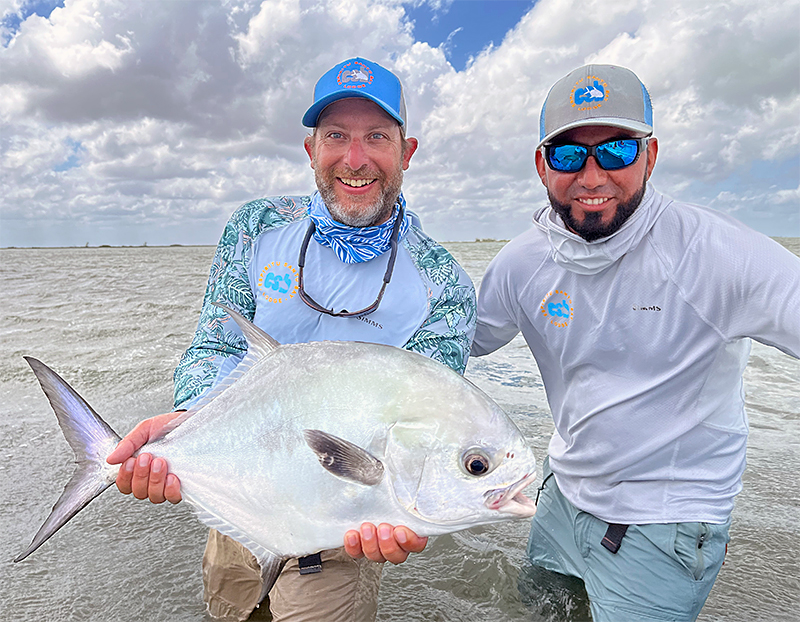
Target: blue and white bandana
(355, 244)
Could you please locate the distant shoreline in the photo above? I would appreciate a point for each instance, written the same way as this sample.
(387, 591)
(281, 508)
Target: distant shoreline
(778, 239)
(89, 247)
(475, 241)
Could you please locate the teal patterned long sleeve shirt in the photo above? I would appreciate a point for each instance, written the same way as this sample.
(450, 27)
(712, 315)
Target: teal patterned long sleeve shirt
(428, 307)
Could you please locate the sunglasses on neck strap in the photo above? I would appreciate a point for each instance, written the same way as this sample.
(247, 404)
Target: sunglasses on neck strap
(387, 277)
(611, 155)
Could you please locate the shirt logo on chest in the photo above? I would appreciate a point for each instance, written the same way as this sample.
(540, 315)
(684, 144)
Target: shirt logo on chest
(277, 282)
(557, 308)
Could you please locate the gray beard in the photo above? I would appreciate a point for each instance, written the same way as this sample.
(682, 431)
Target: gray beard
(592, 228)
(366, 215)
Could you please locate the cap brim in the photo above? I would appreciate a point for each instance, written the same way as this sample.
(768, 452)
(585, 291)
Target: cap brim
(639, 129)
(311, 116)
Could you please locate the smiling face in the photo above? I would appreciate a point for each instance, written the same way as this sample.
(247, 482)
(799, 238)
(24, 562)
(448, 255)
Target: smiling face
(594, 203)
(358, 155)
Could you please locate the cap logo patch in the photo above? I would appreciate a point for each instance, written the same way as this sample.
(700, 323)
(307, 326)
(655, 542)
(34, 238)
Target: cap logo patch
(589, 93)
(354, 75)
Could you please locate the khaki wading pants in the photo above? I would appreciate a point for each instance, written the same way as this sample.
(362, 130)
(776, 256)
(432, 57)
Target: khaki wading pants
(345, 591)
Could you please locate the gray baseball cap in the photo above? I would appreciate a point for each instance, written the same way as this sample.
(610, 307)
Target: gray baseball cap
(596, 95)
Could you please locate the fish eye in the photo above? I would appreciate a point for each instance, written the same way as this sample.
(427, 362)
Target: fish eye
(476, 463)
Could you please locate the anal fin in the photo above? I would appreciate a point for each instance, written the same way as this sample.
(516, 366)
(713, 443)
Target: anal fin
(270, 563)
(271, 566)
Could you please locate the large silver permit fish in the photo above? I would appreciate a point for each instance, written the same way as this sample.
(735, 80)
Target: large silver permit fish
(305, 441)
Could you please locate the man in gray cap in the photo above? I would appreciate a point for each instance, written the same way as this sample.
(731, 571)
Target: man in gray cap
(639, 311)
(293, 265)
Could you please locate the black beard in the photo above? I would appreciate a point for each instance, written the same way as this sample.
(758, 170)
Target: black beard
(592, 228)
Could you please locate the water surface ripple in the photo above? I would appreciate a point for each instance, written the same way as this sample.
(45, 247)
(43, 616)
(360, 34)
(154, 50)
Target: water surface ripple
(114, 321)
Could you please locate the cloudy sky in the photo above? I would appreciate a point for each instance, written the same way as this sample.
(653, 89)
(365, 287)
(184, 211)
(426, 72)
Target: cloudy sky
(150, 121)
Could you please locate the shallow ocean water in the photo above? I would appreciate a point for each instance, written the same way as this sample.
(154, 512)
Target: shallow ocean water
(113, 322)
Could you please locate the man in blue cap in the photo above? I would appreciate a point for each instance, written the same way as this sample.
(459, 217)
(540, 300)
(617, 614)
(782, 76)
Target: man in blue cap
(639, 311)
(347, 263)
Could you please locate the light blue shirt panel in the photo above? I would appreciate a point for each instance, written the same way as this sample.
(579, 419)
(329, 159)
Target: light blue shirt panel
(280, 312)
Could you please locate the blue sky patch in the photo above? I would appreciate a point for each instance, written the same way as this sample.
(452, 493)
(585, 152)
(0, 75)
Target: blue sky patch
(10, 23)
(470, 25)
(73, 159)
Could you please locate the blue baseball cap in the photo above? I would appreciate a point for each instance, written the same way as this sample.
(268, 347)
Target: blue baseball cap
(596, 95)
(358, 77)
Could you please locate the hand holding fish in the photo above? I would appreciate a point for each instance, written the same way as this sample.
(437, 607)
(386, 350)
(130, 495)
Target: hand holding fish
(384, 543)
(145, 477)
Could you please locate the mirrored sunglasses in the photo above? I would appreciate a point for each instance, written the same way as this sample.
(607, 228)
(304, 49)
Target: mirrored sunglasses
(611, 155)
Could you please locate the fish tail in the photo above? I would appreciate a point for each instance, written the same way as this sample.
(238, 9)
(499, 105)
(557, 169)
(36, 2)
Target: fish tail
(91, 439)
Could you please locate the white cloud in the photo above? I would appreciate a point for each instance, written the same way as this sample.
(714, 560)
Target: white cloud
(273, 21)
(71, 44)
(118, 114)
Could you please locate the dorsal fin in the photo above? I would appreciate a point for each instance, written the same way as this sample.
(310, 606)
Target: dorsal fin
(258, 341)
(259, 345)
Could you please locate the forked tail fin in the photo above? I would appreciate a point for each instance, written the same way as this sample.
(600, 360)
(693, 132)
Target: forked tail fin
(91, 439)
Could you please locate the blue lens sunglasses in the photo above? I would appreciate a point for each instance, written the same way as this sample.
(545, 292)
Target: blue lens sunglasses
(611, 155)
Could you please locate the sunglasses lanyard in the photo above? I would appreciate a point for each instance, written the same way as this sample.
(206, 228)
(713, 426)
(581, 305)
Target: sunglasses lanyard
(387, 277)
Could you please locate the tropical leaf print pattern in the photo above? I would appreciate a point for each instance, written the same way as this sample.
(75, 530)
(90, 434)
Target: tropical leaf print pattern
(436, 262)
(447, 333)
(228, 284)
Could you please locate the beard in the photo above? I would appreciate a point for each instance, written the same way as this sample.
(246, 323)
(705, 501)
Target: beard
(592, 227)
(358, 213)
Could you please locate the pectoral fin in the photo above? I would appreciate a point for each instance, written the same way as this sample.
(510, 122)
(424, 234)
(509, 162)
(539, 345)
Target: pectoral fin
(344, 459)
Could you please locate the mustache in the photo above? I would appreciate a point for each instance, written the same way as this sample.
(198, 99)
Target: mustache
(362, 171)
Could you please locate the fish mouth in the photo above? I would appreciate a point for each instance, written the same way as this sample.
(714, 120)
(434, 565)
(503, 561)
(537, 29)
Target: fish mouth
(510, 499)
